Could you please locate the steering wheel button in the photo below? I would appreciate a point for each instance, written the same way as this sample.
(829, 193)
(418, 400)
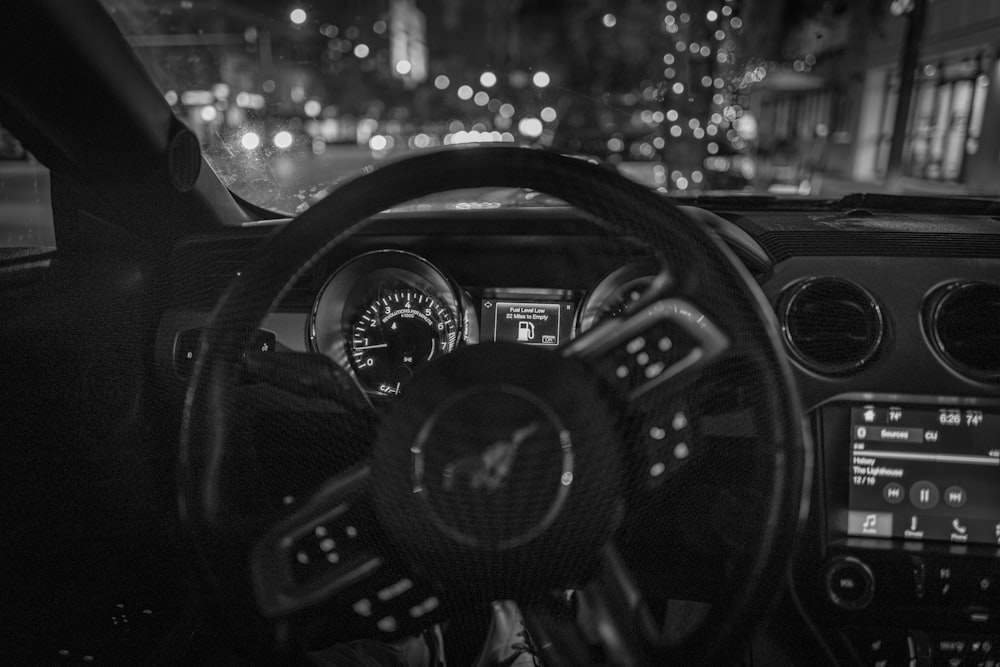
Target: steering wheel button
(635, 345)
(387, 624)
(654, 369)
(327, 544)
(642, 358)
(333, 558)
(363, 607)
(302, 557)
(622, 372)
(679, 422)
(664, 344)
(351, 532)
(394, 590)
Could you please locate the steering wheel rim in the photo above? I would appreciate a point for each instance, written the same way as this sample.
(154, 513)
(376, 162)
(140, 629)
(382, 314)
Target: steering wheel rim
(702, 265)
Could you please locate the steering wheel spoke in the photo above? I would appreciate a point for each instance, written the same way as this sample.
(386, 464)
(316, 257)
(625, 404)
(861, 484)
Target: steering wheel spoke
(331, 553)
(652, 345)
(306, 374)
(328, 545)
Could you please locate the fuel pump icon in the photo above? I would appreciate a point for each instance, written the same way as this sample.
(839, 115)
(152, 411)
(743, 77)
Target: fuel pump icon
(525, 332)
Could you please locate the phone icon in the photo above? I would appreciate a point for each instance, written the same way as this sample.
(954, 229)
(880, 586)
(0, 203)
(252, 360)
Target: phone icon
(959, 528)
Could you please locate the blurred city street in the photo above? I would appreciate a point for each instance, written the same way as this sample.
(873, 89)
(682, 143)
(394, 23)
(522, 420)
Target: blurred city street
(296, 101)
(26, 211)
(336, 162)
(26, 206)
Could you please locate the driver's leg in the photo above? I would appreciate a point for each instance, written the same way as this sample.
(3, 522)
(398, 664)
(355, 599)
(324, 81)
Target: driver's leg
(410, 652)
(505, 643)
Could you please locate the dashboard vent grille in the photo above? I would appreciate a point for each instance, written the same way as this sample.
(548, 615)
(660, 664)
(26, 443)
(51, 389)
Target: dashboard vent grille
(785, 245)
(963, 324)
(203, 268)
(832, 326)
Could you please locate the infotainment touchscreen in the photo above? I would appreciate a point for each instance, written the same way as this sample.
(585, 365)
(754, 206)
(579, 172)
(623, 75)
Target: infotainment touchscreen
(922, 473)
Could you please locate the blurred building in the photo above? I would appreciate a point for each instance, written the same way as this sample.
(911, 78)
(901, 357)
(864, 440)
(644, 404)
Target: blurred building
(951, 134)
(830, 106)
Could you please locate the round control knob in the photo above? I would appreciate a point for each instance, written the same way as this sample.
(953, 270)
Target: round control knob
(850, 583)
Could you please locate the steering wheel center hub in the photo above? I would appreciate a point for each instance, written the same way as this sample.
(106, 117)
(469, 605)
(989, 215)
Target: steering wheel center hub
(494, 466)
(500, 458)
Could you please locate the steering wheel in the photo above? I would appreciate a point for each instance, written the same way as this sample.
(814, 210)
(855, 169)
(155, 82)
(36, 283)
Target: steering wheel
(504, 471)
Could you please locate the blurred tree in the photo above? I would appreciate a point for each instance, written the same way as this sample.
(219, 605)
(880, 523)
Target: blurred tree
(649, 79)
(781, 28)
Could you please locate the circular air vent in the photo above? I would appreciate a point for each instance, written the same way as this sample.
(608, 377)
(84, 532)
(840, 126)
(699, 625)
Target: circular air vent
(963, 325)
(831, 325)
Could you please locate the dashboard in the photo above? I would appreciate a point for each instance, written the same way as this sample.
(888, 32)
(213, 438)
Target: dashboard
(891, 322)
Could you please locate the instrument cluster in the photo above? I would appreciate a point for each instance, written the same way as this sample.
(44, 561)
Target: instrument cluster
(386, 314)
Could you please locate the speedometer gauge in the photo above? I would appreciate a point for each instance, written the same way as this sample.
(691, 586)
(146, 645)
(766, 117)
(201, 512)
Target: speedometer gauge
(385, 315)
(400, 331)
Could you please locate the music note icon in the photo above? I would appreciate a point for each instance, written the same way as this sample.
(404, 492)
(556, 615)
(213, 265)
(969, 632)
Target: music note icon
(870, 523)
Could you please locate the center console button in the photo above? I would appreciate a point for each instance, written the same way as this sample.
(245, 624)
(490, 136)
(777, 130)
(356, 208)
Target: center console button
(883, 647)
(850, 583)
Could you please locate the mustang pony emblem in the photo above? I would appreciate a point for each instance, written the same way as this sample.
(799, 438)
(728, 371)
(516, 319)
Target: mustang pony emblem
(491, 468)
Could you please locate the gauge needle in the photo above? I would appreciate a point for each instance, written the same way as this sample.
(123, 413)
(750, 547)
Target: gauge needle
(372, 347)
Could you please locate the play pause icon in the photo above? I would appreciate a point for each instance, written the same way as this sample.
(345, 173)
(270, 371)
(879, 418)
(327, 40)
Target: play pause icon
(924, 495)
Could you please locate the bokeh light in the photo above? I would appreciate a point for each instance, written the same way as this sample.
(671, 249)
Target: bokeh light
(312, 108)
(530, 127)
(283, 139)
(250, 141)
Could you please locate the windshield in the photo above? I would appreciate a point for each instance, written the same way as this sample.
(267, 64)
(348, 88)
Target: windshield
(685, 96)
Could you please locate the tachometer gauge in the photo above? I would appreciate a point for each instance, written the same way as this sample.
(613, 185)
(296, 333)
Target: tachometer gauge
(400, 331)
(386, 314)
